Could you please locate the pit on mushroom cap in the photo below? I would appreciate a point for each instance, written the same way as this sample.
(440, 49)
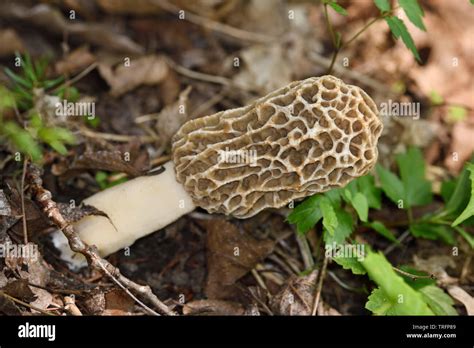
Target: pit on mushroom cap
(305, 138)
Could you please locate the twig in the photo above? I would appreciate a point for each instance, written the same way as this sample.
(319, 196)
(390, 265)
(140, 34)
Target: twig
(259, 279)
(160, 160)
(320, 285)
(197, 75)
(413, 276)
(116, 137)
(237, 33)
(330, 28)
(207, 105)
(44, 199)
(70, 306)
(305, 251)
(23, 213)
(292, 263)
(400, 239)
(346, 286)
(339, 45)
(281, 263)
(76, 78)
(260, 302)
(353, 74)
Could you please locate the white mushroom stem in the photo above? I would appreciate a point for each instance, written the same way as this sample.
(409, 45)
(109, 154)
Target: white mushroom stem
(136, 208)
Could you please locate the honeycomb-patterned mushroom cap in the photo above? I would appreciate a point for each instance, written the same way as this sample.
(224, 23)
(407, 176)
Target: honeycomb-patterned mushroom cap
(308, 137)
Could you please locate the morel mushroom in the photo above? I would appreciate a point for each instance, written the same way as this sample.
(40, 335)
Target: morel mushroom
(308, 137)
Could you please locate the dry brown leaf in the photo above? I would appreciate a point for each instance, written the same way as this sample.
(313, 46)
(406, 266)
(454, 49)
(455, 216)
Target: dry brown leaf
(8, 307)
(105, 160)
(147, 70)
(19, 289)
(11, 42)
(462, 296)
(75, 61)
(38, 273)
(95, 302)
(32, 269)
(297, 296)
(325, 309)
(137, 7)
(231, 255)
(437, 266)
(5, 208)
(462, 146)
(172, 117)
(50, 19)
(262, 16)
(449, 70)
(265, 70)
(72, 213)
(118, 300)
(213, 307)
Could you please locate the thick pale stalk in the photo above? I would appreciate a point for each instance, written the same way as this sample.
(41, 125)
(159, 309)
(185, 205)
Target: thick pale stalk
(137, 208)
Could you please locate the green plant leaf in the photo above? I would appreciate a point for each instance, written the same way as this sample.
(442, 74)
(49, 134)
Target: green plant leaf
(396, 296)
(350, 191)
(18, 79)
(7, 99)
(56, 137)
(433, 231)
(101, 179)
(469, 210)
(338, 8)
(360, 204)
(338, 39)
(447, 189)
(412, 172)
(52, 83)
(306, 214)
(392, 186)
(383, 5)
(380, 304)
(466, 235)
(460, 196)
(414, 12)
(58, 147)
(436, 98)
(22, 140)
(350, 263)
(334, 196)
(329, 215)
(398, 29)
(64, 135)
(29, 69)
(456, 113)
(439, 302)
(384, 231)
(345, 226)
(366, 185)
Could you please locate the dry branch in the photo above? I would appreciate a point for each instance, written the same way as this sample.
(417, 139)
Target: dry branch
(44, 200)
